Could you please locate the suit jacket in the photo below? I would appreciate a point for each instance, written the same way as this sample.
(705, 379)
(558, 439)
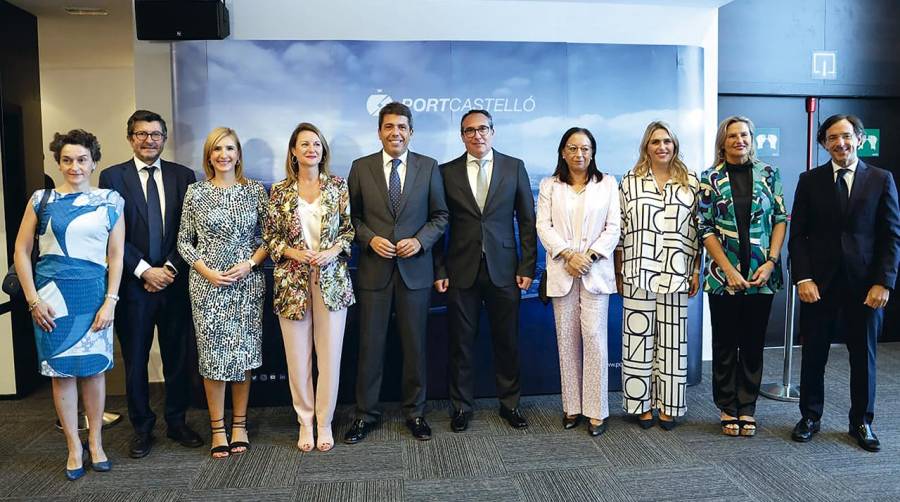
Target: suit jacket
(283, 229)
(600, 232)
(865, 244)
(717, 218)
(471, 230)
(124, 179)
(422, 214)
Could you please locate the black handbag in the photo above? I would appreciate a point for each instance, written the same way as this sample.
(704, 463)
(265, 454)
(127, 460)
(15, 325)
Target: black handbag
(542, 288)
(11, 284)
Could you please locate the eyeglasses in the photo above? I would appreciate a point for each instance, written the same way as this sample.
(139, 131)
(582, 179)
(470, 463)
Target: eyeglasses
(573, 149)
(143, 135)
(469, 132)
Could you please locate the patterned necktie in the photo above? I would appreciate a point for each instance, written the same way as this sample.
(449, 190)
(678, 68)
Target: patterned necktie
(154, 218)
(843, 190)
(394, 186)
(481, 184)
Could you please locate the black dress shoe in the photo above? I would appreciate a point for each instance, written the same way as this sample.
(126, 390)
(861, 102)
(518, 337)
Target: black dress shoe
(460, 421)
(419, 428)
(184, 435)
(358, 431)
(141, 444)
(571, 422)
(805, 429)
(596, 430)
(865, 437)
(513, 417)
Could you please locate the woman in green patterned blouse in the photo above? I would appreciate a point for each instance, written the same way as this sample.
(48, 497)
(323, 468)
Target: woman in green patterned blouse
(742, 225)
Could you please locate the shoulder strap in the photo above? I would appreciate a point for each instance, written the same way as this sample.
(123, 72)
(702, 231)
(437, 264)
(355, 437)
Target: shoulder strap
(44, 199)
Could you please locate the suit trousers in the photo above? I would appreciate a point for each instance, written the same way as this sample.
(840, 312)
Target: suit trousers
(581, 323)
(137, 314)
(738, 337)
(464, 313)
(411, 323)
(654, 351)
(840, 307)
(322, 331)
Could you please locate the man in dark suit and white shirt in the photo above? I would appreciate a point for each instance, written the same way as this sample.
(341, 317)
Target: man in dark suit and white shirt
(844, 250)
(154, 282)
(398, 210)
(486, 192)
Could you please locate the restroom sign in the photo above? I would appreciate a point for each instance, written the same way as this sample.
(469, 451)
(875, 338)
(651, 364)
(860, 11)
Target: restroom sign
(871, 144)
(768, 141)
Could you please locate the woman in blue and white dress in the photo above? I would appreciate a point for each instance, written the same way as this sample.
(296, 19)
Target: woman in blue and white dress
(72, 290)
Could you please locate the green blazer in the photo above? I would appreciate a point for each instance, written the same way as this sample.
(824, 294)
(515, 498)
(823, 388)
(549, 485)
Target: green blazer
(716, 215)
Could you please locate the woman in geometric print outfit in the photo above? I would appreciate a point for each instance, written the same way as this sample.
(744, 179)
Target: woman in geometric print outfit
(221, 238)
(309, 234)
(73, 292)
(742, 225)
(657, 268)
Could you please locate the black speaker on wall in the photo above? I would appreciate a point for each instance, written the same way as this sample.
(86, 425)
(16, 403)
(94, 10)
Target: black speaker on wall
(181, 19)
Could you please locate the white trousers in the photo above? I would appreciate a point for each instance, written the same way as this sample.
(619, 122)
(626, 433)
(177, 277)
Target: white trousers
(581, 319)
(323, 331)
(654, 351)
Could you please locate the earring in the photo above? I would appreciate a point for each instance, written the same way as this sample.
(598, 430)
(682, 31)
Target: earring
(293, 160)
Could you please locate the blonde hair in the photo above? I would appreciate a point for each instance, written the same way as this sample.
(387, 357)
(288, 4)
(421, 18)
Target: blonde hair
(677, 168)
(291, 167)
(212, 140)
(722, 132)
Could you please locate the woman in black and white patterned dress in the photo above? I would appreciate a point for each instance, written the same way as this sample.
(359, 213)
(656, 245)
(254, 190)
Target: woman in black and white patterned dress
(220, 236)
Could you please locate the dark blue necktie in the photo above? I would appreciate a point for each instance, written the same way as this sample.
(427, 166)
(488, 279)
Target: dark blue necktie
(843, 191)
(394, 186)
(154, 218)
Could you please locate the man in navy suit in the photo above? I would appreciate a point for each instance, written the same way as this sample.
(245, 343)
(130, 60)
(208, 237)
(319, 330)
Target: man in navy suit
(844, 250)
(154, 283)
(398, 210)
(487, 192)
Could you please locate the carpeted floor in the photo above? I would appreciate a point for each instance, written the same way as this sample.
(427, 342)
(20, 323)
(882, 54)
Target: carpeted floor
(490, 462)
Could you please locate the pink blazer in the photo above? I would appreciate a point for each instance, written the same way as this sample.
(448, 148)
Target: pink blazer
(599, 232)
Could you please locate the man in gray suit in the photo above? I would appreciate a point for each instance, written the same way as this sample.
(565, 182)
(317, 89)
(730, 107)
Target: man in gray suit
(398, 210)
(485, 191)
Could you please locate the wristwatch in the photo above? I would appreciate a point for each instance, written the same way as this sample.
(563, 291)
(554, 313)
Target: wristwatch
(170, 268)
(773, 260)
(593, 256)
(252, 263)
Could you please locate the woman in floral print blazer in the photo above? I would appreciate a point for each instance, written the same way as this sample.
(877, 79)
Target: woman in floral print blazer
(308, 235)
(743, 222)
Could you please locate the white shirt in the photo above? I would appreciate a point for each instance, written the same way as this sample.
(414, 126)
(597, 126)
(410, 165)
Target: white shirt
(401, 169)
(311, 221)
(575, 204)
(472, 164)
(142, 266)
(847, 177)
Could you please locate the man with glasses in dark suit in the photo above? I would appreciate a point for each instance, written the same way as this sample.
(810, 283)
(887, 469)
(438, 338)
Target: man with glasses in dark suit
(154, 281)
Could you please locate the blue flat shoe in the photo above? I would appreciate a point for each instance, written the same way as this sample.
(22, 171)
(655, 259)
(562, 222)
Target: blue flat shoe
(73, 474)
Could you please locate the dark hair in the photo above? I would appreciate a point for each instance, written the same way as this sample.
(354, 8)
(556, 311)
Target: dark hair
(146, 116)
(290, 166)
(395, 108)
(78, 137)
(562, 169)
(858, 128)
(474, 111)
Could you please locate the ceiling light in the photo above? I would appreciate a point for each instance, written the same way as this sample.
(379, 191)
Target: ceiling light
(86, 11)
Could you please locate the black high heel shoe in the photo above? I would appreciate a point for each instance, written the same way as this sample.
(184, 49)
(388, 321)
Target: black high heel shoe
(240, 424)
(222, 448)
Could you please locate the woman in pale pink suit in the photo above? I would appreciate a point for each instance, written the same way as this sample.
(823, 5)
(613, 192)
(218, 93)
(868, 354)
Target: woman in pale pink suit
(578, 223)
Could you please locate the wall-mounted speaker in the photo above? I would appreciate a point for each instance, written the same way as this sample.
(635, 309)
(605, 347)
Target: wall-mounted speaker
(181, 19)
